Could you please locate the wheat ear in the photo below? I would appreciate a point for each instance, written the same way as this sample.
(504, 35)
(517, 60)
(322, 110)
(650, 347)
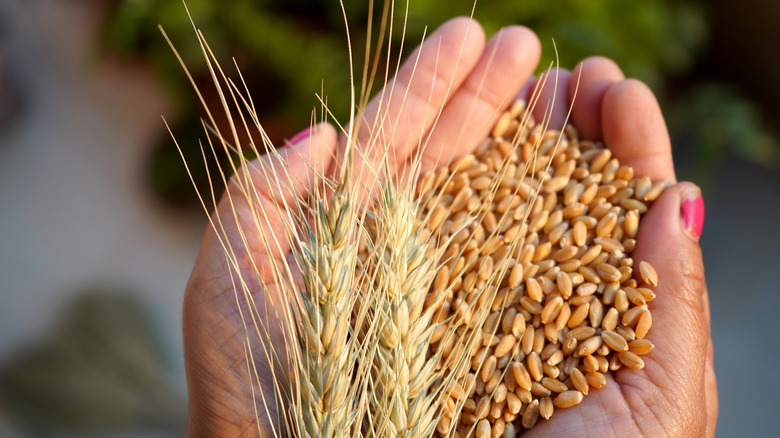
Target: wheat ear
(327, 258)
(401, 266)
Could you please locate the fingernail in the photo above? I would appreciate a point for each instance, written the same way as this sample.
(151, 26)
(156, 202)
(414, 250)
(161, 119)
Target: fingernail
(693, 212)
(300, 136)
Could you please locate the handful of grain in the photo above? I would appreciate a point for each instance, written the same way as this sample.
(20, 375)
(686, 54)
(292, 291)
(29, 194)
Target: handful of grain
(537, 297)
(503, 290)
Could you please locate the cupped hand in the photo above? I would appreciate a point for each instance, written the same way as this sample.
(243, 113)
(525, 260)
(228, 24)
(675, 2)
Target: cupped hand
(455, 76)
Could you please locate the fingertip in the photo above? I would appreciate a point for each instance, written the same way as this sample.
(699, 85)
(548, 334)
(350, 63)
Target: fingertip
(672, 216)
(322, 134)
(310, 157)
(665, 241)
(692, 211)
(634, 130)
(513, 52)
(505, 63)
(590, 80)
(464, 31)
(527, 41)
(552, 89)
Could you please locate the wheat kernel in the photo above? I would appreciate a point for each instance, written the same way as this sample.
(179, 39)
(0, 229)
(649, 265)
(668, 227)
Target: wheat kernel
(588, 346)
(582, 333)
(579, 381)
(534, 366)
(631, 360)
(596, 312)
(614, 341)
(610, 320)
(539, 390)
(568, 399)
(505, 345)
(590, 363)
(626, 332)
(655, 191)
(488, 368)
(643, 325)
(579, 315)
(649, 276)
(546, 408)
(596, 379)
(551, 309)
(608, 272)
(640, 346)
(531, 414)
(632, 315)
(563, 317)
(554, 385)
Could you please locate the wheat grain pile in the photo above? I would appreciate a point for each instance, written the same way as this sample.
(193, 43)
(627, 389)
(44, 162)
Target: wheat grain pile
(537, 296)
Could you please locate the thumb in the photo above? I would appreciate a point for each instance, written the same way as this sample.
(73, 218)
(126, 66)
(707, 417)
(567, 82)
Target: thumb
(247, 239)
(668, 240)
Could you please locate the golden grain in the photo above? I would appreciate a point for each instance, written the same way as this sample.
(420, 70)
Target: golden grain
(554, 385)
(579, 381)
(579, 315)
(614, 341)
(588, 346)
(531, 414)
(610, 320)
(644, 324)
(632, 315)
(654, 191)
(649, 276)
(631, 360)
(552, 301)
(596, 313)
(640, 346)
(546, 408)
(626, 332)
(568, 399)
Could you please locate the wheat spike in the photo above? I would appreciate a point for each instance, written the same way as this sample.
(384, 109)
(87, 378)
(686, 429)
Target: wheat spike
(401, 267)
(328, 261)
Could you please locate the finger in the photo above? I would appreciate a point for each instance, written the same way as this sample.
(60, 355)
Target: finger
(397, 118)
(526, 89)
(238, 254)
(668, 240)
(595, 74)
(552, 90)
(634, 130)
(506, 63)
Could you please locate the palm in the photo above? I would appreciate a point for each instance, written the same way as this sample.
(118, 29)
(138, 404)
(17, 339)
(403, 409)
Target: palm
(458, 77)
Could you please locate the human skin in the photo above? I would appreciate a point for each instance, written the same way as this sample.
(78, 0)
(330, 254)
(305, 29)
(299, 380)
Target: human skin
(461, 76)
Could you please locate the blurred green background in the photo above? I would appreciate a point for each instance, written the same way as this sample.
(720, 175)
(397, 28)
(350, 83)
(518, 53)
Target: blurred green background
(103, 366)
(286, 48)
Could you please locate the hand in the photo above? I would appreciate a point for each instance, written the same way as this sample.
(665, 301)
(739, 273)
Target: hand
(456, 77)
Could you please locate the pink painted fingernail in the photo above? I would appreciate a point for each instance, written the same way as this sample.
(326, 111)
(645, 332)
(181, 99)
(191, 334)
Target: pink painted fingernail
(300, 136)
(693, 212)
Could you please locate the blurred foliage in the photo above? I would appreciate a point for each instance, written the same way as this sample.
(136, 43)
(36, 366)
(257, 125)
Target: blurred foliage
(303, 42)
(288, 50)
(717, 118)
(99, 371)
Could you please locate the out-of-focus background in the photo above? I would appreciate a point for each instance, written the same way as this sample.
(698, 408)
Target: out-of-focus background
(99, 225)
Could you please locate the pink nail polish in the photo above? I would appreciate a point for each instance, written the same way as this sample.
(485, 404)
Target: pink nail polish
(693, 213)
(300, 136)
